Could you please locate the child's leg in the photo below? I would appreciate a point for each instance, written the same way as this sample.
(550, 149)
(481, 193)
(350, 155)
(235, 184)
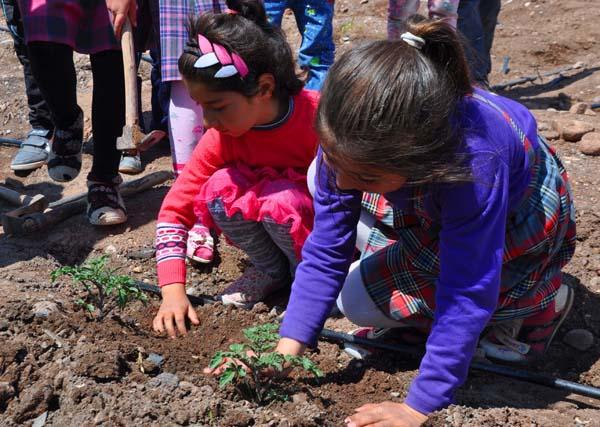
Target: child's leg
(398, 13)
(105, 206)
(185, 125)
(317, 51)
(488, 10)
(53, 69)
(253, 239)
(270, 270)
(108, 113)
(444, 9)
(470, 25)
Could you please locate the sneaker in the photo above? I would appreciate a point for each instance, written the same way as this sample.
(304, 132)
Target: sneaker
(64, 159)
(131, 164)
(33, 153)
(524, 340)
(105, 205)
(252, 287)
(403, 335)
(200, 245)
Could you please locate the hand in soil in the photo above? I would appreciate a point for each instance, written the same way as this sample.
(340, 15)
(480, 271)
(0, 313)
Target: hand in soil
(174, 310)
(386, 414)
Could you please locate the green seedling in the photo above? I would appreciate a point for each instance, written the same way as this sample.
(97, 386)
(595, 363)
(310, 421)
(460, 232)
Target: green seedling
(245, 365)
(105, 289)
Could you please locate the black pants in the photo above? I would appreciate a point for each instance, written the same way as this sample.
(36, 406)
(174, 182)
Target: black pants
(53, 68)
(39, 113)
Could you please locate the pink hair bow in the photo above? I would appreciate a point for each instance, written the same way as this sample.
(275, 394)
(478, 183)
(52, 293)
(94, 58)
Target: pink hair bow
(214, 53)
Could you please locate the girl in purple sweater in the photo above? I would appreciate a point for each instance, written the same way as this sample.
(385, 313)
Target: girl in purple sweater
(463, 216)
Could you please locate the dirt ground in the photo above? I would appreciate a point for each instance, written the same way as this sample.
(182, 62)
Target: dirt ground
(64, 370)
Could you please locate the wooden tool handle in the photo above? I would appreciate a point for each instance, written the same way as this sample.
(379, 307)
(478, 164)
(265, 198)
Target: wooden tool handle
(130, 69)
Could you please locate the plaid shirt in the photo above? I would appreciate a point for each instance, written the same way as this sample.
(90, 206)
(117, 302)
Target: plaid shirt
(174, 15)
(82, 24)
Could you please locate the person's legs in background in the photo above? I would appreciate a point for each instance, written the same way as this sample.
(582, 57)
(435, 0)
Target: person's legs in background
(444, 9)
(185, 125)
(317, 51)
(398, 13)
(477, 21)
(489, 10)
(54, 71)
(105, 206)
(34, 149)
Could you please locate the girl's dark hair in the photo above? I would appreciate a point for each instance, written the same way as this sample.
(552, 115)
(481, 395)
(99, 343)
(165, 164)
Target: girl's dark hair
(248, 33)
(395, 107)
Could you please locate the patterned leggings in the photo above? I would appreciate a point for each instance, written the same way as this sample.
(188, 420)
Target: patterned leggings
(400, 10)
(268, 244)
(185, 125)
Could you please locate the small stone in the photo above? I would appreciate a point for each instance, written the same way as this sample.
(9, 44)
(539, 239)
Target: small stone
(153, 363)
(110, 249)
(550, 135)
(345, 39)
(4, 325)
(590, 113)
(579, 64)
(137, 269)
(572, 130)
(43, 309)
(41, 420)
(551, 110)
(590, 144)
(344, 9)
(542, 126)
(579, 108)
(364, 1)
(580, 339)
(300, 398)
(165, 379)
(395, 394)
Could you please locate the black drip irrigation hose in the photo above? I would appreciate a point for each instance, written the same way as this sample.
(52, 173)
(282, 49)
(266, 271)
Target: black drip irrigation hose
(340, 337)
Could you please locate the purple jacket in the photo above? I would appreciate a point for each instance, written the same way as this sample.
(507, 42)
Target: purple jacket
(472, 217)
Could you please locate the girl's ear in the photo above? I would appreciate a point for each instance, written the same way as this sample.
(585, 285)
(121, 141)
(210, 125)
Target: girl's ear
(266, 85)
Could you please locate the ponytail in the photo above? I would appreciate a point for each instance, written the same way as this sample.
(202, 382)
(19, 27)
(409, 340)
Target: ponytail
(444, 49)
(395, 105)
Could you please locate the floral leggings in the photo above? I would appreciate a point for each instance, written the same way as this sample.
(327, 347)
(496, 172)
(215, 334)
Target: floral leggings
(400, 10)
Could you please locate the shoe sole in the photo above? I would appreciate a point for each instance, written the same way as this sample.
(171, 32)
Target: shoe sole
(131, 171)
(201, 260)
(28, 166)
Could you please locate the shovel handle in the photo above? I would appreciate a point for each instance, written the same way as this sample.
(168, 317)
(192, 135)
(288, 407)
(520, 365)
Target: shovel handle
(130, 70)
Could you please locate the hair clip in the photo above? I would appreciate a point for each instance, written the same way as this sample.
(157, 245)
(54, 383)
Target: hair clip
(214, 53)
(412, 40)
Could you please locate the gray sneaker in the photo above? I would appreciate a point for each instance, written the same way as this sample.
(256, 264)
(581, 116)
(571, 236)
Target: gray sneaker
(131, 164)
(33, 153)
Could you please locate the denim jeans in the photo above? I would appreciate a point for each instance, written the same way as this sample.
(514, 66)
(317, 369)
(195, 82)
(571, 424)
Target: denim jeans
(477, 22)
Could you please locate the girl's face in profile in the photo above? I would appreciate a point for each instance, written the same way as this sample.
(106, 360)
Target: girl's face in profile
(350, 175)
(228, 112)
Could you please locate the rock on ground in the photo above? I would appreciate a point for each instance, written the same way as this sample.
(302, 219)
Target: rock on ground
(590, 144)
(572, 130)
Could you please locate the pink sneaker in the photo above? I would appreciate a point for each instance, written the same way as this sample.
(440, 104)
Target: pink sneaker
(252, 287)
(200, 245)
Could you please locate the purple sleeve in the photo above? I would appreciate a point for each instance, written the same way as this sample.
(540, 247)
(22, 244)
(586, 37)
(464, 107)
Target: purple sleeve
(471, 252)
(326, 257)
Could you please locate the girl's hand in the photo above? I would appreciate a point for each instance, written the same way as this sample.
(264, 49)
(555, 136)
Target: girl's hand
(285, 346)
(386, 414)
(173, 311)
(121, 10)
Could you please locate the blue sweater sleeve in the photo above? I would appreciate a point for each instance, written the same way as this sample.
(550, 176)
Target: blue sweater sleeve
(326, 258)
(473, 217)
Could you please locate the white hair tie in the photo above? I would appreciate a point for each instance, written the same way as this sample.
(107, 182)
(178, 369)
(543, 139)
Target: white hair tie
(414, 41)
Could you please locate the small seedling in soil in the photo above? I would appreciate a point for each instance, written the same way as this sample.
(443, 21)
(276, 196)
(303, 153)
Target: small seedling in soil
(105, 289)
(256, 357)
